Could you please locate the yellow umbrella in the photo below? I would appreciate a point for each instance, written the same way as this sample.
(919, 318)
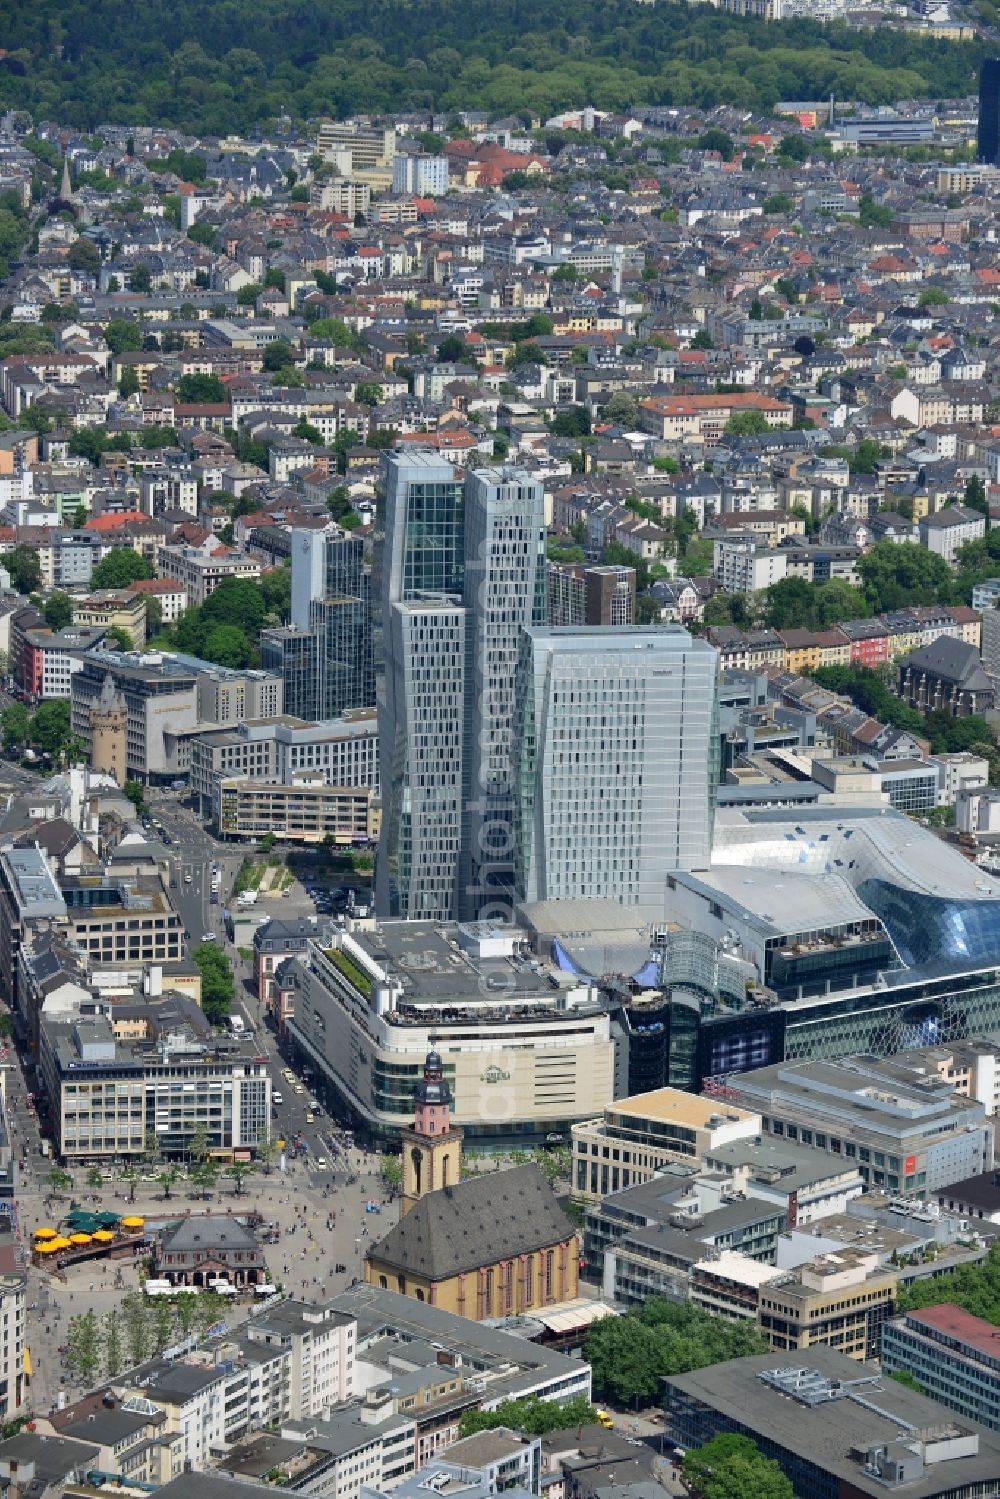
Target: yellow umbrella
(133, 1222)
(49, 1247)
(79, 1239)
(103, 1237)
(59, 1243)
(46, 1233)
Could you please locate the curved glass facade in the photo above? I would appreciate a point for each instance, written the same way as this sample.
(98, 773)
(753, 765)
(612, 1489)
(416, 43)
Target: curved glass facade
(935, 929)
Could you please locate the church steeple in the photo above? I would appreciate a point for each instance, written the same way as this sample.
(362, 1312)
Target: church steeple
(66, 187)
(432, 1149)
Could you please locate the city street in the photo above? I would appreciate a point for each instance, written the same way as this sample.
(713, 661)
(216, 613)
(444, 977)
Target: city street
(319, 1214)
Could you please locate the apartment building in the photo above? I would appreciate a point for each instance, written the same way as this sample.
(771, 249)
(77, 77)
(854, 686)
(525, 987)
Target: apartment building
(49, 659)
(746, 564)
(170, 596)
(113, 609)
(595, 595)
(426, 176)
(30, 898)
(13, 1341)
(200, 570)
(274, 943)
(947, 530)
(321, 1344)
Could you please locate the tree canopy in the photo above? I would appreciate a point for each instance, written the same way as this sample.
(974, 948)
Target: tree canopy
(191, 67)
(217, 985)
(24, 567)
(733, 1467)
(794, 604)
(531, 1415)
(975, 1288)
(631, 1355)
(895, 574)
(121, 567)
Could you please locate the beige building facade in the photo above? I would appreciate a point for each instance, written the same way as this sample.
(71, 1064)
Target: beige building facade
(636, 1137)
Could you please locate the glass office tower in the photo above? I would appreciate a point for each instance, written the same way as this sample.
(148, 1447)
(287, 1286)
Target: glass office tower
(616, 762)
(421, 707)
(504, 591)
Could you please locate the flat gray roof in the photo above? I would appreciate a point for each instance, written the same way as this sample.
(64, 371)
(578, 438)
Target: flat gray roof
(520, 1365)
(433, 969)
(827, 1434)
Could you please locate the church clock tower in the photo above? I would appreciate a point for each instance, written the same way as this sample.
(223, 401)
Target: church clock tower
(432, 1149)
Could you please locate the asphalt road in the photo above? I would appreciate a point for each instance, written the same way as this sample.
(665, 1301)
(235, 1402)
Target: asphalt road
(193, 851)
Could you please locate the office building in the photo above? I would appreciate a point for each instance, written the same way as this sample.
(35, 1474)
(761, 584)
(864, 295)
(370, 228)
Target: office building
(953, 1356)
(106, 1097)
(162, 703)
(331, 603)
(230, 696)
(839, 1300)
(371, 148)
(422, 710)
(637, 1137)
(595, 595)
(123, 920)
(504, 592)
(424, 176)
(528, 1051)
(645, 1241)
(905, 1129)
(836, 1428)
(343, 751)
(306, 809)
(616, 749)
(988, 133)
(170, 699)
(290, 653)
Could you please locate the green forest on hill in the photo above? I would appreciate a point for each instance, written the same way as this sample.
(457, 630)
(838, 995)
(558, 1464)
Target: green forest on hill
(222, 65)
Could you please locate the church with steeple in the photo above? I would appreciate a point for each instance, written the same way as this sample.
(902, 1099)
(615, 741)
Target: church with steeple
(494, 1245)
(432, 1149)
